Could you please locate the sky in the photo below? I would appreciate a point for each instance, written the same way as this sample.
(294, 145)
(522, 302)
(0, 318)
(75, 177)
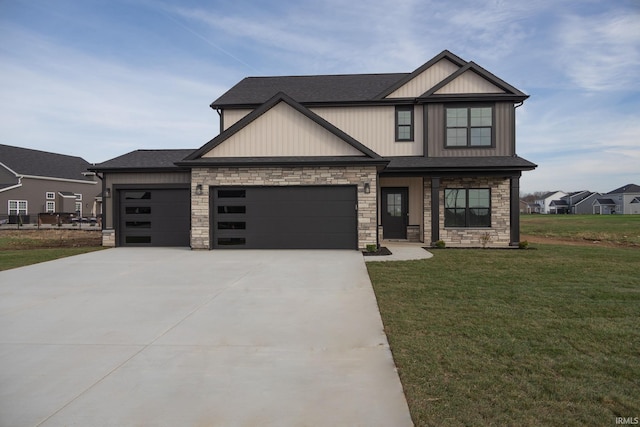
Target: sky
(98, 79)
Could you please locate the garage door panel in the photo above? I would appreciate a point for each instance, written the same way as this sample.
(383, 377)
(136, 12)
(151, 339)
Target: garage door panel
(288, 217)
(154, 217)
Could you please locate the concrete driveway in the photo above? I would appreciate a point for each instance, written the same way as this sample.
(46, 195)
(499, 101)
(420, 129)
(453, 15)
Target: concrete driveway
(173, 337)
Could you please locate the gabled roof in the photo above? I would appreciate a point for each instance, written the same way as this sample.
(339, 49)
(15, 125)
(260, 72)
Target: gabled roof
(607, 202)
(25, 161)
(354, 88)
(636, 200)
(559, 203)
(264, 108)
(629, 188)
(144, 159)
(510, 91)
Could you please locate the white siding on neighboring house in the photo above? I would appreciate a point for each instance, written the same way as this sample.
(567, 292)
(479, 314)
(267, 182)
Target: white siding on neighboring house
(469, 82)
(375, 128)
(425, 80)
(283, 131)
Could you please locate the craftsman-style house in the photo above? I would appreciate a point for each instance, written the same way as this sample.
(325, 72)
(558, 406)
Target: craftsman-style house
(333, 161)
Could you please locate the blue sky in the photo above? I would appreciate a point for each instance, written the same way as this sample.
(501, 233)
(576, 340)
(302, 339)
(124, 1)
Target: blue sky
(101, 78)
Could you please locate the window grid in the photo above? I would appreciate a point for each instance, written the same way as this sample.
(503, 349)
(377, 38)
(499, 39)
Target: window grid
(404, 123)
(17, 207)
(469, 127)
(467, 207)
(50, 195)
(50, 207)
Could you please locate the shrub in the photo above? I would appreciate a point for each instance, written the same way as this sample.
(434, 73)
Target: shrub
(523, 245)
(372, 248)
(440, 244)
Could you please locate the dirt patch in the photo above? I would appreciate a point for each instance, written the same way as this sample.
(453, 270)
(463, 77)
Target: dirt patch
(37, 239)
(575, 242)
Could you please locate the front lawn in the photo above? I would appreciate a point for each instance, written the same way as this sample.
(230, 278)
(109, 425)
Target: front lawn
(19, 248)
(548, 336)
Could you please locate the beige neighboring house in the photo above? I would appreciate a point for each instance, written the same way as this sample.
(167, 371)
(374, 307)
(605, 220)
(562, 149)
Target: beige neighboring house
(333, 161)
(34, 182)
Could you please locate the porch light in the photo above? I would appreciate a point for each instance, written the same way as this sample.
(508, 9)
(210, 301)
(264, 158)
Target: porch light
(199, 189)
(107, 193)
(367, 188)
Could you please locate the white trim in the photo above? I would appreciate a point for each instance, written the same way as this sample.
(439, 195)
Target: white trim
(9, 169)
(11, 188)
(46, 206)
(50, 178)
(53, 195)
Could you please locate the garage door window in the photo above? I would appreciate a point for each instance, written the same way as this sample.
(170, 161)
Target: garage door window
(137, 195)
(138, 239)
(232, 209)
(232, 194)
(137, 210)
(232, 225)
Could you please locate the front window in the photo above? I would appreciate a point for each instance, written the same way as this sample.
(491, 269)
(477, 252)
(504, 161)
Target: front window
(17, 207)
(404, 123)
(469, 127)
(467, 207)
(51, 207)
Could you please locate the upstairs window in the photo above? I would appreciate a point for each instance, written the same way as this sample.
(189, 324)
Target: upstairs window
(467, 207)
(404, 123)
(469, 126)
(50, 195)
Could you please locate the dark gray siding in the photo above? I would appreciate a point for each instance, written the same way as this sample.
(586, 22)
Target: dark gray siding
(504, 115)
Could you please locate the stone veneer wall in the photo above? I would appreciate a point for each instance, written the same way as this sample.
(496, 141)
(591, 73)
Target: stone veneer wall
(109, 238)
(275, 176)
(500, 213)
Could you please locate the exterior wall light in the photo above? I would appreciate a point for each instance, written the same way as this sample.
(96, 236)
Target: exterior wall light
(199, 189)
(107, 193)
(367, 188)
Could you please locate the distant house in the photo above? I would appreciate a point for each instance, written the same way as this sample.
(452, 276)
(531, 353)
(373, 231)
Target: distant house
(33, 182)
(584, 204)
(623, 200)
(545, 200)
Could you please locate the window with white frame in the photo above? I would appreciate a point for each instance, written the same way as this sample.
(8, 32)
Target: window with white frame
(50, 207)
(50, 195)
(78, 196)
(17, 207)
(79, 208)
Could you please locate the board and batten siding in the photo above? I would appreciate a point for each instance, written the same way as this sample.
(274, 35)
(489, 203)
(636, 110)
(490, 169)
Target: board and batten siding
(469, 82)
(374, 126)
(232, 116)
(504, 126)
(145, 178)
(283, 131)
(425, 80)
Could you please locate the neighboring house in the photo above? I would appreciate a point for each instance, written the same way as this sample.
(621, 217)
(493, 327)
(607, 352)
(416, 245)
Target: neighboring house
(333, 161)
(545, 201)
(33, 182)
(623, 200)
(584, 205)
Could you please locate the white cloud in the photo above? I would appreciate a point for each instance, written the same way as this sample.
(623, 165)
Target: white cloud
(601, 52)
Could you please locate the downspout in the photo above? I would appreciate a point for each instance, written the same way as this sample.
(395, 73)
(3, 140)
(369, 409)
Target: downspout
(219, 111)
(513, 136)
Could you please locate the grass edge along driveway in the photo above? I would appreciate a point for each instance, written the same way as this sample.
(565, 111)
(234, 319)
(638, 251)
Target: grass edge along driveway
(538, 337)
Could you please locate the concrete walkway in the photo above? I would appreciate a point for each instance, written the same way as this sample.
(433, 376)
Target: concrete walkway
(173, 337)
(401, 251)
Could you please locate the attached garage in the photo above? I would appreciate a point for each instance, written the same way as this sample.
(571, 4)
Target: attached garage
(284, 217)
(153, 216)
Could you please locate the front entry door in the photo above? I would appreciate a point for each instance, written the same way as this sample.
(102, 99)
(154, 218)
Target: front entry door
(395, 208)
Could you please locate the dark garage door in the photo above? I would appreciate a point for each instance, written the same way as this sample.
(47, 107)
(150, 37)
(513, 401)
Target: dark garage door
(292, 217)
(154, 217)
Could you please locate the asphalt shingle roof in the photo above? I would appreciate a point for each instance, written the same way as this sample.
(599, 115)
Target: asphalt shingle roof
(629, 188)
(307, 89)
(25, 161)
(145, 159)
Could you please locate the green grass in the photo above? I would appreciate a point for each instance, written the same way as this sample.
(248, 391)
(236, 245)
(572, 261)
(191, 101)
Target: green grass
(548, 336)
(621, 229)
(20, 258)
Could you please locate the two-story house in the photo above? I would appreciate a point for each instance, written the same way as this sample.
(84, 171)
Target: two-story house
(334, 161)
(34, 182)
(623, 200)
(545, 202)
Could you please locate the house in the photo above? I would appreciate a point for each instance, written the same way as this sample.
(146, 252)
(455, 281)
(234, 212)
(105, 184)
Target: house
(34, 182)
(623, 200)
(583, 203)
(333, 161)
(546, 199)
(573, 203)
